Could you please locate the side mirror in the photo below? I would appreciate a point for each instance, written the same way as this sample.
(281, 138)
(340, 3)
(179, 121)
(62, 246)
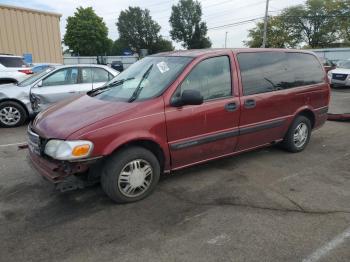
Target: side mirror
(188, 97)
(40, 83)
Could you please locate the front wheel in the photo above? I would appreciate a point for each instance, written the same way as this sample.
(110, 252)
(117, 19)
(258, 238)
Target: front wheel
(298, 135)
(12, 114)
(130, 175)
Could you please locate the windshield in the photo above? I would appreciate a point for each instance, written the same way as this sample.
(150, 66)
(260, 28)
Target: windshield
(30, 80)
(12, 61)
(144, 79)
(345, 65)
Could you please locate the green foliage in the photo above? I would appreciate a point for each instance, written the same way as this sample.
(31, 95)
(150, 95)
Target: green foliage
(279, 35)
(317, 24)
(343, 10)
(117, 47)
(162, 45)
(86, 33)
(187, 26)
(137, 28)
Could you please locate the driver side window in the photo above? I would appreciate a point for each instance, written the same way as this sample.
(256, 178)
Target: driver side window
(211, 77)
(66, 76)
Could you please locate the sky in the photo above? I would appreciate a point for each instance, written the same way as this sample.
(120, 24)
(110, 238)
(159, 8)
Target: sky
(215, 13)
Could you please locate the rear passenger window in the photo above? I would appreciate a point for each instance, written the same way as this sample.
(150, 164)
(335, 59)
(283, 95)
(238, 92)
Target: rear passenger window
(269, 71)
(305, 69)
(100, 75)
(262, 72)
(211, 77)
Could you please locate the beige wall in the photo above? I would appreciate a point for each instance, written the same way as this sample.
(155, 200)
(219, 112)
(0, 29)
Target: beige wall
(30, 31)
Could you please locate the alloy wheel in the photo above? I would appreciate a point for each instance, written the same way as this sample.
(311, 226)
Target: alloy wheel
(300, 135)
(135, 178)
(10, 116)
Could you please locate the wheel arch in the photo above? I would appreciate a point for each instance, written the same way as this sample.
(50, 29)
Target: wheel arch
(148, 144)
(308, 113)
(8, 80)
(16, 101)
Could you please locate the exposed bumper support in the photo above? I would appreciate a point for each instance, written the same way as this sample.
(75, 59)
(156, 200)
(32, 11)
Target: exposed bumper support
(56, 171)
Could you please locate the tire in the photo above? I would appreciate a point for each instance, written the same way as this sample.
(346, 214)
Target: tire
(15, 110)
(292, 145)
(125, 170)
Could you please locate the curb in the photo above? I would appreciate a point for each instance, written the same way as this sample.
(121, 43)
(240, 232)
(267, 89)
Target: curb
(339, 117)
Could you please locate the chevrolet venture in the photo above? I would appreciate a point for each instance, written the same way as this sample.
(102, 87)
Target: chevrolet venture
(173, 110)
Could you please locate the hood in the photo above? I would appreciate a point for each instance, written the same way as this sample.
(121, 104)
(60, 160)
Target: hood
(340, 71)
(6, 86)
(15, 92)
(66, 117)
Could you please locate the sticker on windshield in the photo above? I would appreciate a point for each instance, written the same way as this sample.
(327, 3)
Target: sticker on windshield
(163, 67)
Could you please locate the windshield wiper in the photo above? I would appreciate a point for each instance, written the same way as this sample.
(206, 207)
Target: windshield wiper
(139, 87)
(101, 89)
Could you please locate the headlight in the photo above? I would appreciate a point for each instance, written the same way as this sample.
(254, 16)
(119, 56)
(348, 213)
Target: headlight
(68, 150)
(329, 74)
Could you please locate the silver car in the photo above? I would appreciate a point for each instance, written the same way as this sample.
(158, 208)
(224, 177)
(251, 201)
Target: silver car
(340, 76)
(23, 100)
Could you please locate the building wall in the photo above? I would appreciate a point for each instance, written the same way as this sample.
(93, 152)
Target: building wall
(25, 30)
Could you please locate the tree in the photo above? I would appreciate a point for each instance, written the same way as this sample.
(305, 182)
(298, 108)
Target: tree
(317, 24)
(279, 35)
(343, 11)
(86, 33)
(187, 27)
(137, 28)
(117, 47)
(162, 45)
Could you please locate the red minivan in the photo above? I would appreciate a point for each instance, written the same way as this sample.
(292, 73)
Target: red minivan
(177, 109)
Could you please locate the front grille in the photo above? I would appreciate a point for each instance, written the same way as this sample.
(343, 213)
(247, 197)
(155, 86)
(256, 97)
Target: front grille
(33, 141)
(341, 77)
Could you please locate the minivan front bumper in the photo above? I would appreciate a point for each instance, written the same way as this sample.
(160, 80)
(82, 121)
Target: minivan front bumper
(56, 171)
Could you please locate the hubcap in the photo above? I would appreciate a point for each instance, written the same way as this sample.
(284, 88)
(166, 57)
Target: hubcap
(9, 115)
(300, 135)
(135, 178)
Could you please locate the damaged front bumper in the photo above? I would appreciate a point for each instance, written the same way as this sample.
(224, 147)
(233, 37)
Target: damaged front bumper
(64, 174)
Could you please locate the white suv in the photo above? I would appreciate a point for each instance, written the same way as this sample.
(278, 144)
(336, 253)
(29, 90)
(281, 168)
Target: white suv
(13, 69)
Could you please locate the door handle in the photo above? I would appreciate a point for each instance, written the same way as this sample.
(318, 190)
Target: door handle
(231, 107)
(249, 103)
(72, 92)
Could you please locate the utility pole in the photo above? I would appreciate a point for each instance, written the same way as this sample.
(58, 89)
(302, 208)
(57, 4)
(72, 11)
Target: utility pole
(265, 24)
(225, 39)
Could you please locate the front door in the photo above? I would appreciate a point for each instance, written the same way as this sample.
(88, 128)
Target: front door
(59, 85)
(202, 132)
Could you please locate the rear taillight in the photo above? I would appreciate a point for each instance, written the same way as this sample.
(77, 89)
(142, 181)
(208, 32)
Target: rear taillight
(26, 71)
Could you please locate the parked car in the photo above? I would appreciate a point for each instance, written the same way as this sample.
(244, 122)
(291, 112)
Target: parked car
(13, 69)
(173, 110)
(341, 75)
(41, 67)
(117, 65)
(30, 96)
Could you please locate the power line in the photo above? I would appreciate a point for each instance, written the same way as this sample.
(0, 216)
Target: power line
(236, 23)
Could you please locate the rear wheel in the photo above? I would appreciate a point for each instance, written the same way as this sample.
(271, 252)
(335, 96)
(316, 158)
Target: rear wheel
(12, 114)
(130, 175)
(298, 135)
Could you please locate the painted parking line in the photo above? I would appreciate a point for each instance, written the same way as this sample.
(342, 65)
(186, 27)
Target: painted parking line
(14, 144)
(325, 249)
